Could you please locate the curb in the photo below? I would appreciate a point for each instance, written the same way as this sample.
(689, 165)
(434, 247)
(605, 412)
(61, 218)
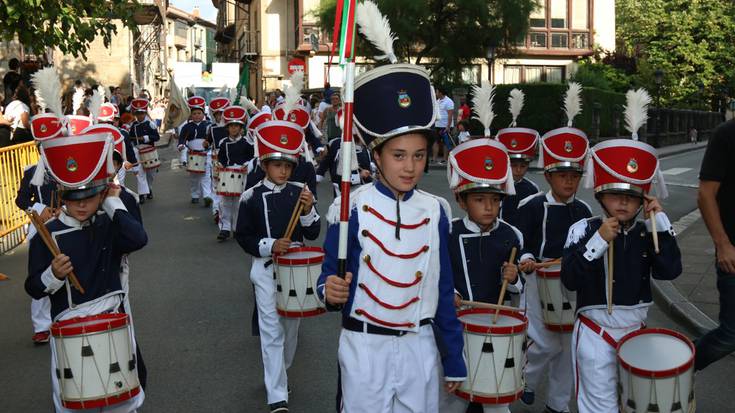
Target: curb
(672, 301)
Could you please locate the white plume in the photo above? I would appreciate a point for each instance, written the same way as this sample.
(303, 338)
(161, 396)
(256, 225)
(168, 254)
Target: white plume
(77, 100)
(376, 28)
(248, 104)
(106, 92)
(573, 102)
(636, 110)
(482, 103)
(293, 92)
(48, 90)
(515, 104)
(95, 102)
(232, 95)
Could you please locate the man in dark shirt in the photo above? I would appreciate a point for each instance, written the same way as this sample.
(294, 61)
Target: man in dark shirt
(717, 203)
(11, 80)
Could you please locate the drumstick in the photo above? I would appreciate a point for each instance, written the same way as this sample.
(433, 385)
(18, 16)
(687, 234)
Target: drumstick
(505, 285)
(654, 232)
(292, 228)
(51, 245)
(490, 306)
(547, 264)
(3, 277)
(610, 267)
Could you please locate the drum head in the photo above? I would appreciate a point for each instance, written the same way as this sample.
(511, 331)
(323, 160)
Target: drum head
(553, 271)
(301, 256)
(481, 321)
(90, 324)
(655, 352)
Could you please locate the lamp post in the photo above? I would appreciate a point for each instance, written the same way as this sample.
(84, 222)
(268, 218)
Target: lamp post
(658, 77)
(490, 55)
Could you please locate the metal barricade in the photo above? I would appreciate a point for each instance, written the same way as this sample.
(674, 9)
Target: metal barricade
(13, 161)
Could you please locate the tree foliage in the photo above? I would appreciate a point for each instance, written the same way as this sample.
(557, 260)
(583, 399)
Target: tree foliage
(446, 35)
(70, 25)
(689, 40)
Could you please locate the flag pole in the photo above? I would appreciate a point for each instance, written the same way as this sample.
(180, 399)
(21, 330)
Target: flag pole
(347, 54)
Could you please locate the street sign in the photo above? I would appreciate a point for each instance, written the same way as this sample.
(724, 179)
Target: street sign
(296, 64)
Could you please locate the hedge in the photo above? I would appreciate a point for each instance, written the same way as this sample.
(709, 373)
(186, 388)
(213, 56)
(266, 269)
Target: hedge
(544, 109)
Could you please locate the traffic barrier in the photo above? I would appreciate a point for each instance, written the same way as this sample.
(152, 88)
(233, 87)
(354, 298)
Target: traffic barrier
(13, 161)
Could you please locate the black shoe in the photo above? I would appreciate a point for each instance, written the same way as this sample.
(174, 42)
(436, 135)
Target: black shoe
(528, 397)
(223, 235)
(150, 195)
(207, 202)
(195, 200)
(141, 200)
(280, 407)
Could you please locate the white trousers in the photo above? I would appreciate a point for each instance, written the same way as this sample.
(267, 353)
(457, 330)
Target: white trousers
(389, 374)
(229, 208)
(145, 180)
(121, 176)
(41, 314)
(278, 335)
(199, 186)
(547, 349)
(596, 368)
(454, 404)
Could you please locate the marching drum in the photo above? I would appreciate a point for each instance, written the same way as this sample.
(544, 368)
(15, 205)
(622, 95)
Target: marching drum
(149, 157)
(231, 181)
(656, 372)
(95, 360)
(297, 272)
(557, 303)
(196, 162)
(494, 354)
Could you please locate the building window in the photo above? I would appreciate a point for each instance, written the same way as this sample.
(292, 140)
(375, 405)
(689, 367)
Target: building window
(513, 74)
(558, 14)
(559, 40)
(580, 15)
(580, 41)
(538, 16)
(538, 39)
(471, 75)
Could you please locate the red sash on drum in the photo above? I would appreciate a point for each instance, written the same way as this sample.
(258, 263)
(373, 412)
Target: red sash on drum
(598, 330)
(297, 272)
(196, 162)
(95, 361)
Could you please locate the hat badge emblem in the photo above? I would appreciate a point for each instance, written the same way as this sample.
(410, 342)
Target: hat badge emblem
(632, 166)
(71, 164)
(43, 128)
(513, 143)
(284, 139)
(292, 117)
(404, 100)
(568, 147)
(489, 164)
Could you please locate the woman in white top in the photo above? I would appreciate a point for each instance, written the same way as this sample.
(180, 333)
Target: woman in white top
(18, 113)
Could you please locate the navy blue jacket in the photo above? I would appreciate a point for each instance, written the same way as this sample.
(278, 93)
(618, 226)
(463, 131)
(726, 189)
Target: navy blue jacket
(329, 163)
(509, 209)
(95, 247)
(478, 257)
(584, 265)
(144, 132)
(238, 152)
(215, 135)
(129, 152)
(544, 223)
(304, 172)
(265, 211)
(29, 194)
(191, 131)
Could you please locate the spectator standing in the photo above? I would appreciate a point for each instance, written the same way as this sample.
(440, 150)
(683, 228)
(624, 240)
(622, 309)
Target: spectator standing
(18, 114)
(443, 126)
(464, 111)
(11, 80)
(716, 200)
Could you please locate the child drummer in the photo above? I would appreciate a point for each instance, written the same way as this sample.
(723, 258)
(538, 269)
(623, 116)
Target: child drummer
(544, 220)
(397, 295)
(234, 151)
(94, 230)
(521, 144)
(480, 244)
(263, 218)
(623, 172)
(143, 133)
(192, 138)
(216, 132)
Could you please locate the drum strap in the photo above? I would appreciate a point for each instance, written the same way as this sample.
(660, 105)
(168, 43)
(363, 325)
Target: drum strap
(598, 330)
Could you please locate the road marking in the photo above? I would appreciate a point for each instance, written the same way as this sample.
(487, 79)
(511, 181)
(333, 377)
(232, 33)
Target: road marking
(676, 171)
(695, 186)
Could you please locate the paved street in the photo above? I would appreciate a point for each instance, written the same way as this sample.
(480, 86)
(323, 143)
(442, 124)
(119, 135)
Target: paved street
(192, 304)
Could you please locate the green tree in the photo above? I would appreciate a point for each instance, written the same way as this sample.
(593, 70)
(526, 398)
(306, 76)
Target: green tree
(689, 40)
(70, 25)
(446, 35)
